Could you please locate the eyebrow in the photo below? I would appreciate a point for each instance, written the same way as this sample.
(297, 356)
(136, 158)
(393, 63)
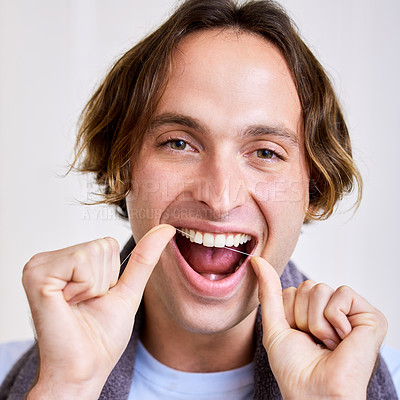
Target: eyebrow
(271, 130)
(195, 124)
(176, 119)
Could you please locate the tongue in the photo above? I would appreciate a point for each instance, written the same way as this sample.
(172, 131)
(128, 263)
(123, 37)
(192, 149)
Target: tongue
(209, 260)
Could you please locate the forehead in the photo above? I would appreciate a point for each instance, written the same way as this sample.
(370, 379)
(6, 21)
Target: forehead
(231, 78)
(225, 49)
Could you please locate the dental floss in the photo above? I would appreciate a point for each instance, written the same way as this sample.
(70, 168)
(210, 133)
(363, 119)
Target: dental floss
(228, 248)
(126, 258)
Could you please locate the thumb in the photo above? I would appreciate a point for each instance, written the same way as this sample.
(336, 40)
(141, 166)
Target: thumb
(270, 296)
(142, 261)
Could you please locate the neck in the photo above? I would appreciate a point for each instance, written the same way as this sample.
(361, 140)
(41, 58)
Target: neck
(178, 348)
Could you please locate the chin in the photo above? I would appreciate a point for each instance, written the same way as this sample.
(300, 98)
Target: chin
(201, 314)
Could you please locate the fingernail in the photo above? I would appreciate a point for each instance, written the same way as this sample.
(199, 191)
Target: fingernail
(156, 228)
(340, 333)
(330, 344)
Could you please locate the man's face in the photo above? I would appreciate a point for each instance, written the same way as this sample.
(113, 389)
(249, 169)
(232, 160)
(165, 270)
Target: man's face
(224, 156)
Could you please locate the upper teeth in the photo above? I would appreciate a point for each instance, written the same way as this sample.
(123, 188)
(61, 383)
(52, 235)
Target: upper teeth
(215, 239)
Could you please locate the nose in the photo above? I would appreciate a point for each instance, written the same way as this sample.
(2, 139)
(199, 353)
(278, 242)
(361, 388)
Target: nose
(220, 185)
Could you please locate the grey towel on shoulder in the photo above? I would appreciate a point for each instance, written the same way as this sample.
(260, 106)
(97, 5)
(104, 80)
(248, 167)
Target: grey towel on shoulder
(118, 384)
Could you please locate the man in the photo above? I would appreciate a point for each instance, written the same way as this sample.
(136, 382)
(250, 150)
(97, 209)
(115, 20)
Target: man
(218, 136)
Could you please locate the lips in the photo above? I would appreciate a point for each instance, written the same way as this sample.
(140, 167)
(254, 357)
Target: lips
(207, 261)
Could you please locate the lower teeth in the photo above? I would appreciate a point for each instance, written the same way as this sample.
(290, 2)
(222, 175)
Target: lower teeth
(215, 277)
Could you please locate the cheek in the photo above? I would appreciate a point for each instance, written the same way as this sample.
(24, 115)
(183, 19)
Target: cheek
(281, 195)
(283, 202)
(153, 188)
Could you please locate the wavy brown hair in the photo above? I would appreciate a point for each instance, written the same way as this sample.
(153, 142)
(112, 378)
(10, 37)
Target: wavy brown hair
(115, 119)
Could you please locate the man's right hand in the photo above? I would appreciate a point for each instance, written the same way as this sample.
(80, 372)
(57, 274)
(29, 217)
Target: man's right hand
(83, 314)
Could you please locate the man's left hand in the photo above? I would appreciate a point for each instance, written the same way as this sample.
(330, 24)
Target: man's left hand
(321, 343)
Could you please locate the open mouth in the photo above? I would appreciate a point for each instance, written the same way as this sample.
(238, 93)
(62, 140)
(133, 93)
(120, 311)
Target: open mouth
(215, 256)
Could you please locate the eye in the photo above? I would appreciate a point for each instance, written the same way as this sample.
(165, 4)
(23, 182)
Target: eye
(265, 154)
(177, 144)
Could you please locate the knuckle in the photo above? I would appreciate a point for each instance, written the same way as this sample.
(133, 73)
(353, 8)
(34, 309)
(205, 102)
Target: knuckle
(27, 269)
(305, 286)
(35, 260)
(90, 281)
(289, 293)
(111, 243)
(344, 290)
(29, 272)
(319, 290)
(95, 247)
(331, 313)
(380, 323)
(302, 324)
(141, 259)
(81, 257)
(28, 276)
(272, 338)
(91, 290)
(317, 328)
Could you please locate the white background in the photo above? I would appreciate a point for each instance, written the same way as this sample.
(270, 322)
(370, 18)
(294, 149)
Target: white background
(52, 55)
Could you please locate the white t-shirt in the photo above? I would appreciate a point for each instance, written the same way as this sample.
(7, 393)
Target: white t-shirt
(184, 385)
(153, 381)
